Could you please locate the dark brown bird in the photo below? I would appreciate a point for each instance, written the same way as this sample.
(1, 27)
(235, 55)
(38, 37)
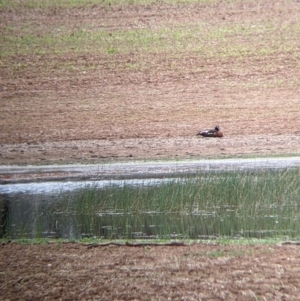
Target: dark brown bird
(211, 132)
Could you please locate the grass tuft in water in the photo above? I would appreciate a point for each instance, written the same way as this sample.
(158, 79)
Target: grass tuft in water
(248, 204)
(260, 204)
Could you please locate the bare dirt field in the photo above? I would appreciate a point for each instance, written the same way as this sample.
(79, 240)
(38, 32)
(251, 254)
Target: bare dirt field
(92, 82)
(195, 272)
(96, 83)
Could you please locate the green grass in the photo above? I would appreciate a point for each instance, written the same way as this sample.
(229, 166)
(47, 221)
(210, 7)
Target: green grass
(95, 240)
(263, 204)
(30, 46)
(216, 41)
(25, 51)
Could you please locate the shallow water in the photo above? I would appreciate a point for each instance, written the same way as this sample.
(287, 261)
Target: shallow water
(35, 209)
(135, 174)
(57, 187)
(151, 169)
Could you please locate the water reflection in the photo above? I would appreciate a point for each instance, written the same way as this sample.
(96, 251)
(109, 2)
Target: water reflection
(247, 204)
(45, 209)
(68, 186)
(142, 170)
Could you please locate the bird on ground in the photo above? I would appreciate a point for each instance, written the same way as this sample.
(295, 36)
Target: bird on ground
(216, 132)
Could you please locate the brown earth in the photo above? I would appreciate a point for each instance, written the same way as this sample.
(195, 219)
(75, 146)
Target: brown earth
(91, 107)
(195, 272)
(81, 107)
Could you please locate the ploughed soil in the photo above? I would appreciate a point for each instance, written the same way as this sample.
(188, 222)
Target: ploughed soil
(60, 105)
(194, 272)
(91, 107)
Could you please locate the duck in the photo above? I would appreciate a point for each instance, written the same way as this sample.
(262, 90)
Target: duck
(216, 132)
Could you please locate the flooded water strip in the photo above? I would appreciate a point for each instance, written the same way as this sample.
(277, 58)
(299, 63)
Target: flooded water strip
(58, 187)
(138, 170)
(145, 208)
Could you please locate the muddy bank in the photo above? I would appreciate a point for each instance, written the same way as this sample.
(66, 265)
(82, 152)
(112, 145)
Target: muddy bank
(103, 151)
